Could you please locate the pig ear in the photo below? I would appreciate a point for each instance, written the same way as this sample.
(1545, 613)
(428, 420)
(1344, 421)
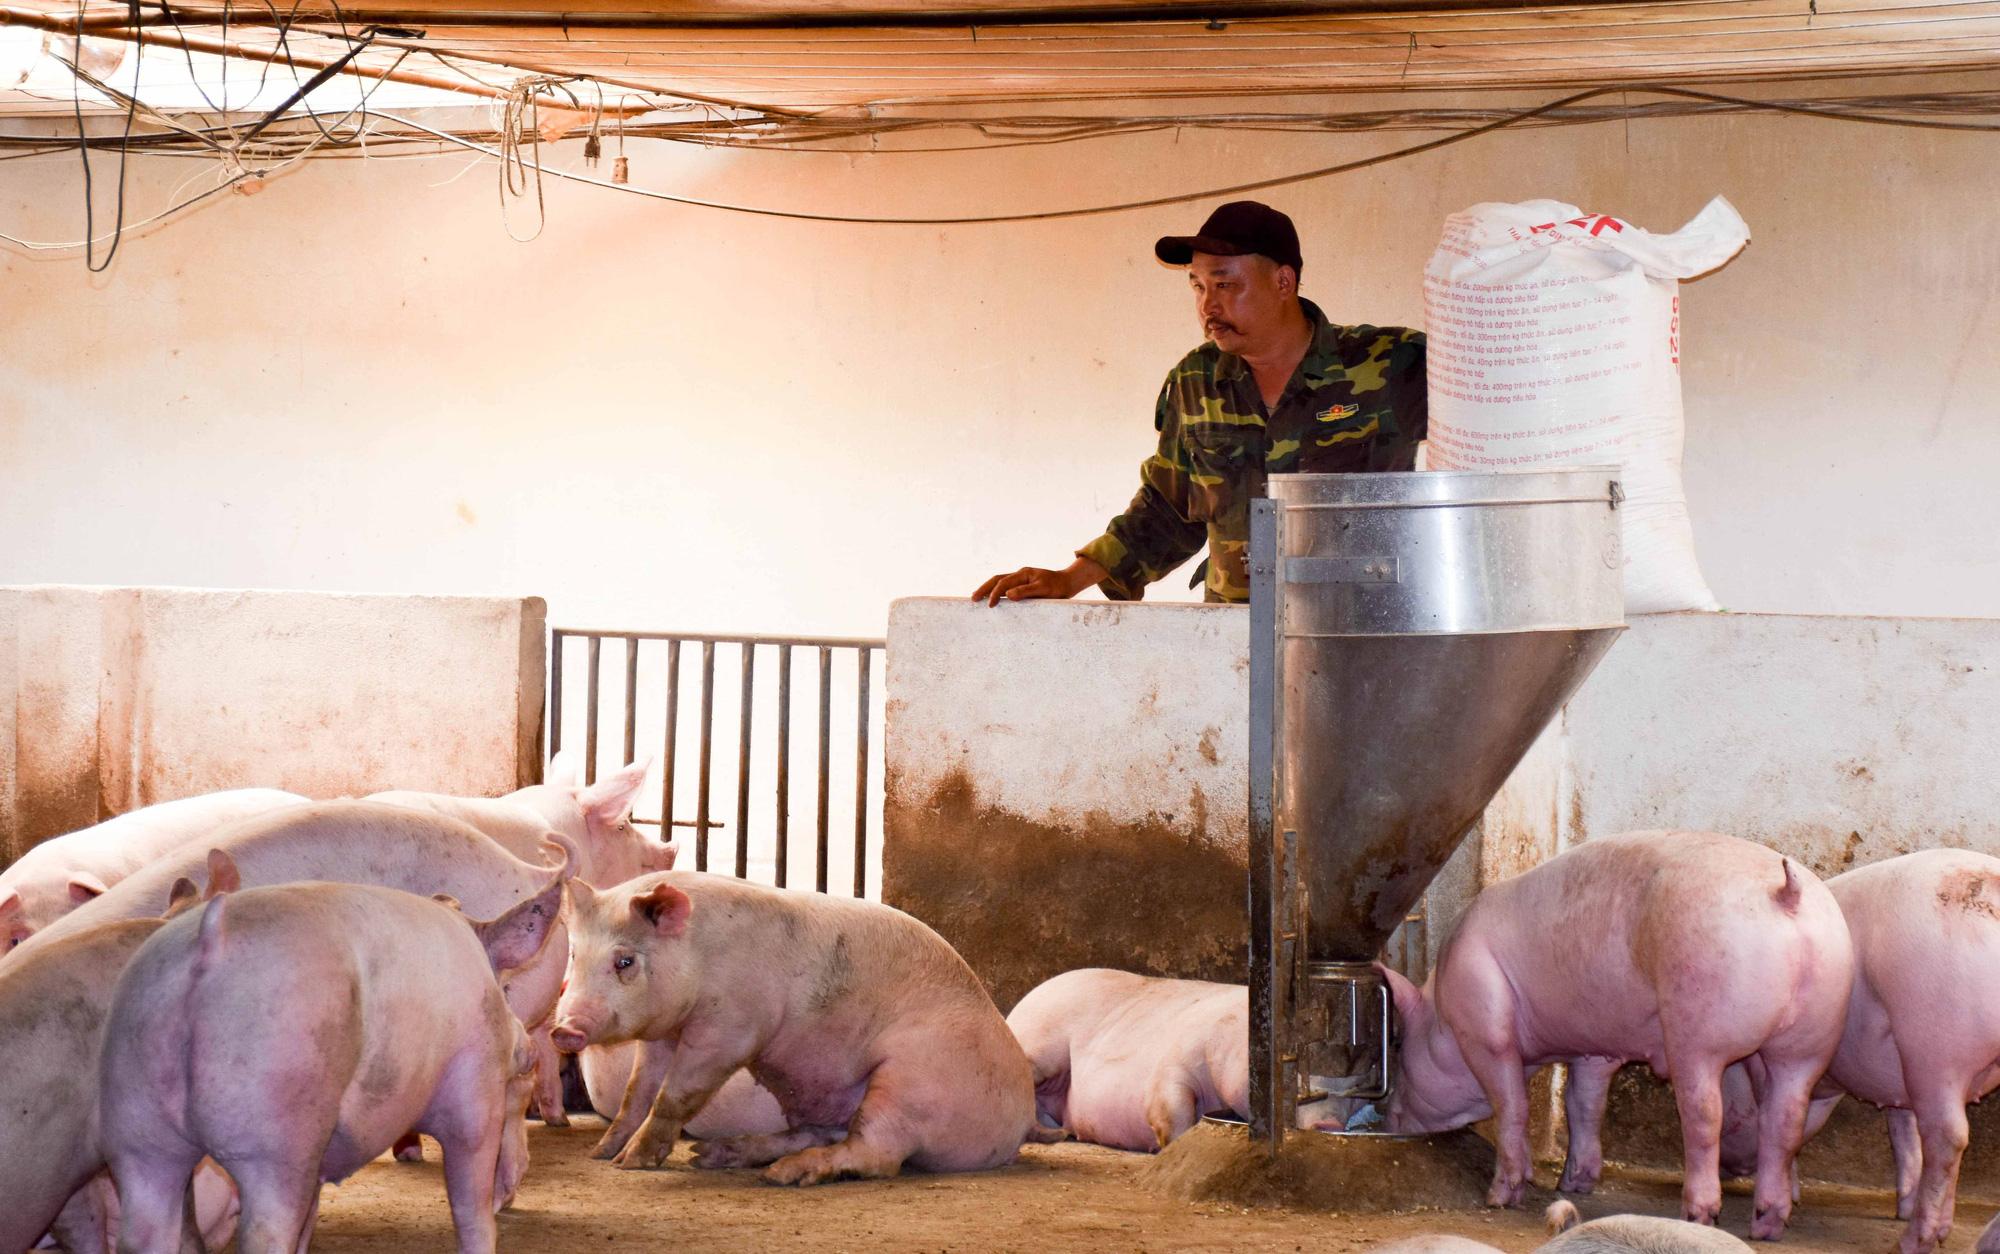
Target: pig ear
(10, 904)
(562, 772)
(567, 857)
(609, 800)
(665, 908)
(1408, 997)
(513, 939)
(223, 875)
(83, 886)
(182, 897)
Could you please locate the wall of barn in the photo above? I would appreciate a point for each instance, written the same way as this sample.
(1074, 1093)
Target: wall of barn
(116, 698)
(673, 416)
(1834, 740)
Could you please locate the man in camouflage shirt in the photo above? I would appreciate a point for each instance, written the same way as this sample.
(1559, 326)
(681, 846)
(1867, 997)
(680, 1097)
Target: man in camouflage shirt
(1276, 389)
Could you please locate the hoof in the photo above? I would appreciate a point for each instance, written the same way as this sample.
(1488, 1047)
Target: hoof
(409, 1149)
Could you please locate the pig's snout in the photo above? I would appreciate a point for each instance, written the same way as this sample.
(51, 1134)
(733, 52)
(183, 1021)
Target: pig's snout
(569, 1038)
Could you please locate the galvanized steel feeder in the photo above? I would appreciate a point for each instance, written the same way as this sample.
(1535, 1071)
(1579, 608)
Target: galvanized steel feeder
(1410, 637)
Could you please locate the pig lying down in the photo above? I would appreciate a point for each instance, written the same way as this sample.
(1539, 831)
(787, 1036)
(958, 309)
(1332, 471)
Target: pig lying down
(57, 876)
(1130, 1061)
(1690, 950)
(52, 1011)
(877, 1040)
(1922, 1031)
(1614, 1234)
(392, 1019)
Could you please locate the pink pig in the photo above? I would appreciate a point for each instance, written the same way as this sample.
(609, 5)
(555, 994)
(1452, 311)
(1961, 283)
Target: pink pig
(392, 1019)
(1131, 1061)
(1919, 1040)
(877, 1040)
(62, 873)
(1690, 950)
(52, 1011)
(596, 818)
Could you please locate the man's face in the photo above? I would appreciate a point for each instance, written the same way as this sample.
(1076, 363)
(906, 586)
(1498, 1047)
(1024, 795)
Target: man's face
(1241, 301)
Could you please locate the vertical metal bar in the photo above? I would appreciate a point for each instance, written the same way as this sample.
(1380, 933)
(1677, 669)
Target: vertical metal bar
(555, 693)
(743, 711)
(1266, 1097)
(862, 671)
(783, 840)
(825, 724)
(631, 699)
(673, 726)
(701, 764)
(590, 714)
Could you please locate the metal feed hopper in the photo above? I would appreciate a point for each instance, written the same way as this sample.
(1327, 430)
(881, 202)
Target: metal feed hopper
(1411, 635)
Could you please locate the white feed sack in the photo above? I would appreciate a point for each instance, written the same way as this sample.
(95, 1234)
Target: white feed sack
(1555, 341)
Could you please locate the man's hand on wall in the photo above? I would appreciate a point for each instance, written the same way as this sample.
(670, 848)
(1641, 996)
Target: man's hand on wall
(1032, 583)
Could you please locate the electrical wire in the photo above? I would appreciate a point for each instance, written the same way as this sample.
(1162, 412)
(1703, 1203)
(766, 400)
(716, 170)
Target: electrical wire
(1237, 189)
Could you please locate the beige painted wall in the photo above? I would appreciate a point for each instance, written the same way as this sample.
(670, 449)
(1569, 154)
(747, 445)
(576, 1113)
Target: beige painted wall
(115, 698)
(666, 416)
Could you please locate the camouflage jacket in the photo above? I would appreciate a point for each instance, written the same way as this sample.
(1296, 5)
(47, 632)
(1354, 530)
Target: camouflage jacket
(1355, 403)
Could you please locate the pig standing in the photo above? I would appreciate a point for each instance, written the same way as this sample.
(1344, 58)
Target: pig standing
(877, 1040)
(1920, 1039)
(1130, 1061)
(52, 1011)
(391, 1019)
(60, 874)
(596, 818)
(1690, 950)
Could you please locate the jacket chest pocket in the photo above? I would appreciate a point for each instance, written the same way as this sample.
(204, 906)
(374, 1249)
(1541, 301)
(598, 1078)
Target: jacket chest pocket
(1341, 440)
(1226, 464)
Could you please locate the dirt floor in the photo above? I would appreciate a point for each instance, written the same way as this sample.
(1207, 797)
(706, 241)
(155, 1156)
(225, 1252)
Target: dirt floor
(1056, 1197)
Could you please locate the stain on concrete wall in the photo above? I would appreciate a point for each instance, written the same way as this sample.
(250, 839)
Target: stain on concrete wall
(1023, 901)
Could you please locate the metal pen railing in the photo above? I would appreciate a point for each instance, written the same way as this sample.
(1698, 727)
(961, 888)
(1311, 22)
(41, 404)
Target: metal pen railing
(866, 794)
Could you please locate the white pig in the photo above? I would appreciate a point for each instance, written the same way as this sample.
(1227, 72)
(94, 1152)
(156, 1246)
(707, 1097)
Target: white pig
(1132, 1061)
(1690, 950)
(877, 1040)
(52, 1010)
(62, 873)
(292, 1033)
(597, 818)
(1919, 1039)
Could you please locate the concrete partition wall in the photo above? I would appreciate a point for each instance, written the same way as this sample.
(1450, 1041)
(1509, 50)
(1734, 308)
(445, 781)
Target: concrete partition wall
(115, 698)
(1065, 785)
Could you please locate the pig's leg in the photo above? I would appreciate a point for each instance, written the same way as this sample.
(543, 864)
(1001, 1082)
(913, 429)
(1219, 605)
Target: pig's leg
(306, 1228)
(280, 1198)
(84, 1226)
(470, 1162)
(702, 1064)
(1781, 1130)
(1172, 1104)
(649, 1075)
(759, 1149)
(1698, 1097)
(879, 1138)
(1942, 1126)
(152, 1192)
(1583, 1105)
(1498, 1068)
(1909, 1151)
(548, 1076)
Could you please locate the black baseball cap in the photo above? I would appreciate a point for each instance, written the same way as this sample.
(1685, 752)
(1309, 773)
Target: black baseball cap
(1237, 228)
